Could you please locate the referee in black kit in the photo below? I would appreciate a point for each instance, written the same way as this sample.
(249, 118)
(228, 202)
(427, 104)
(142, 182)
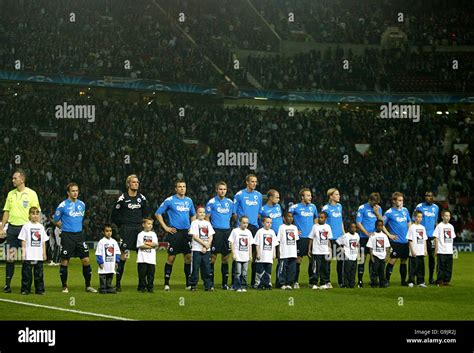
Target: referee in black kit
(128, 213)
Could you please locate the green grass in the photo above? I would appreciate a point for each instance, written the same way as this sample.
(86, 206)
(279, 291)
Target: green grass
(433, 303)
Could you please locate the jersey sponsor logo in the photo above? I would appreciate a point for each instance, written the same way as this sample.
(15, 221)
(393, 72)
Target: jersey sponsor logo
(76, 214)
(117, 206)
(307, 214)
(182, 208)
(275, 215)
(251, 203)
(429, 214)
(133, 207)
(336, 214)
(220, 209)
(401, 219)
(371, 214)
(290, 237)
(267, 242)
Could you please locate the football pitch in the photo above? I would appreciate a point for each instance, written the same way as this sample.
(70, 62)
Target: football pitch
(394, 303)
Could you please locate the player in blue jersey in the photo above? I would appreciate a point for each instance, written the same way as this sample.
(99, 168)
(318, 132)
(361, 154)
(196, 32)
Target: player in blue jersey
(180, 211)
(367, 216)
(397, 219)
(273, 210)
(248, 202)
(334, 219)
(219, 212)
(430, 213)
(305, 214)
(69, 216)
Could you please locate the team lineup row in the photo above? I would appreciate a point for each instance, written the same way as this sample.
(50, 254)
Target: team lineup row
(262, 233)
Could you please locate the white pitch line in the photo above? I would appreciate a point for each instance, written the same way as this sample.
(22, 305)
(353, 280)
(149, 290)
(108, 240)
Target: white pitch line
(66, 310)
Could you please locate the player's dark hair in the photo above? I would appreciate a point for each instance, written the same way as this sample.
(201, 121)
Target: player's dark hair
(375, 196)
(178, 181)
(416, 213)
(247, 178)
(70, 185)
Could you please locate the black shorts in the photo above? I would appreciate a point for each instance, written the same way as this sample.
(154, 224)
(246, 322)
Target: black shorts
(364, 250)
(302, 247)
(128, 237)
(73, 245)
(220, 242)
(12, 236)
(399, 250)
(179, 242)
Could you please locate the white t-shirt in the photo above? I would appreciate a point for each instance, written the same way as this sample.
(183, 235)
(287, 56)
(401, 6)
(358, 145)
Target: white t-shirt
(417, 234)
(379, 243)
(445, 234)
(147, 256)
(321, 234)
(35, 237)
(267, 241)
(350, 243)
(203, 229)
(108, 249)
(241, 244)
(287, 237)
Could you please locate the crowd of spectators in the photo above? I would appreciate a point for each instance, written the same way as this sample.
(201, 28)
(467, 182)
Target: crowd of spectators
(432, 22)
(313, 148)
(152, 39)
(379, 70)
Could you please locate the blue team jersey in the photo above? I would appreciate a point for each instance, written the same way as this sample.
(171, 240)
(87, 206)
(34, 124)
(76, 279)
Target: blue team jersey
(430, 216)
(304, 216)
(334, 219)
(274, 212)
(71, 215)
(220, 212)
(366, 216)
(397, 221)
(248, 204)
(179, 211)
